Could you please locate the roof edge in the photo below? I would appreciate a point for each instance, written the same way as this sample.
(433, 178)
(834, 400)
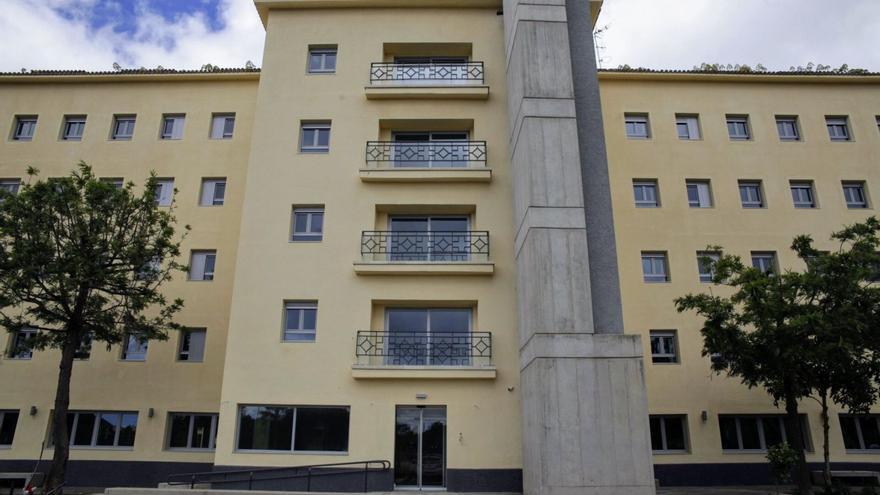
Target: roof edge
(264, 6)
(128, 75)
(734, 76)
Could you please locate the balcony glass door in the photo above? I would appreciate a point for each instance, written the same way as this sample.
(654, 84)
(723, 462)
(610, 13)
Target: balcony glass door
(428, 336)
(420, 448)
(430, 69)
(430, 149)
(429, 239)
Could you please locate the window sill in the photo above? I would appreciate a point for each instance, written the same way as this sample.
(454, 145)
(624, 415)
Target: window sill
(437, 92)
(424, 268)
(450, 174)
(366, 372)
(194, 451)
(670, 452)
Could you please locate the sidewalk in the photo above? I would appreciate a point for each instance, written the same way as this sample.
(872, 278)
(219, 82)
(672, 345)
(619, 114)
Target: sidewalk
(721, 490)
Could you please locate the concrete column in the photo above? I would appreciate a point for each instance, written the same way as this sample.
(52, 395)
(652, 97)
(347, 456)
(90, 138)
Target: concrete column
(585, 417)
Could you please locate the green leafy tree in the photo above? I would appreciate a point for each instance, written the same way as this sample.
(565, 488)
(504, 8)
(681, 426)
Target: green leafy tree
(782, 459)
(82, 261)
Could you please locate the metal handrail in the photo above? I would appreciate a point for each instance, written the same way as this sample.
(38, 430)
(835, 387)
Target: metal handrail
(427, 153)
(443, 72)
(425, 245)
(419, 348)
(193, 479)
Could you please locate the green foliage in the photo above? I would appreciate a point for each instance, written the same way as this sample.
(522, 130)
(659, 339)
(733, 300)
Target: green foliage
(782, 459)
(78, 260)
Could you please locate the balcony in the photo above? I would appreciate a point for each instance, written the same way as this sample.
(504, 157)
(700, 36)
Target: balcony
(423, 355)
(461, 252)
(446, 80)
(426, 161)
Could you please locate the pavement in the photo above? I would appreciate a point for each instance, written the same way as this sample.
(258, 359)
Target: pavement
(724, 490)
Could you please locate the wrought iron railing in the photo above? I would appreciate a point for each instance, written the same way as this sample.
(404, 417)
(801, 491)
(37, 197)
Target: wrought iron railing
(422, 74)
(425, 246)
(404, 348)
(426, 154)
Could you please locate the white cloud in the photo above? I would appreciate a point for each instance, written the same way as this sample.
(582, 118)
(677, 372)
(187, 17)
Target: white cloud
(778, 33)
(35, 36)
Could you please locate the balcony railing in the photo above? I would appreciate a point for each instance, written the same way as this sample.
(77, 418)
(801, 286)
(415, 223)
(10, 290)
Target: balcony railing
(440, 74)
(425, 246)
(404, 348)
(426, 154)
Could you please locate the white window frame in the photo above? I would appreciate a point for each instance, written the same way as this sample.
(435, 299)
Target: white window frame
(788, 123)
(198, 268)
(23, 122)
(657, 259)
(691, 125)
(761, 436)
(861, 188)
(294, 420)
(219, 123)
(761, 256)
(314, 147)
(632, 121)
(751, 203)
(71, 123)
(23, 355)
(164, 191)
(190, 430)
(645, 185)
(834, 124)
(188, 352)
(3, 414)
(322, 52)
(10, 185)
(704, 193)
(714, 256)
(311, 334)
(663, 337)
(177, 127)
(93, 444)
(129, 349)
(796, 187)
(119, 119)
(308, 235)
(208, 193)
(739, 121)
(682, 418)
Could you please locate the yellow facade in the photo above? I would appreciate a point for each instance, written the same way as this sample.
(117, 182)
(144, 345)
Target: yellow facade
(260, 269)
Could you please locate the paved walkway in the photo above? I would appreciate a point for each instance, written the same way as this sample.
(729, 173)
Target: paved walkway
(721, 490)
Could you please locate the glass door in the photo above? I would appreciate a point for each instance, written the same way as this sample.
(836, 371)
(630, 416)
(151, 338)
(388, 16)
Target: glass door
(430, 149)
(420, 447)
(428, 337)
(429, 239)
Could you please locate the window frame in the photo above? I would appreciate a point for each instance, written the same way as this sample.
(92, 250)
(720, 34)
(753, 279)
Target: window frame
(224, 135)
(863, 190)
(308, 235)
(803, 185)
(633, 119)
(322, 51)
(170, 136)
(838, 122)
(664, 443)
(70, 122)
(643, 184)
(18, 126)
(206, 275)
(663, 336)
(125, 352)
(697, 183)
(771, 255)
(301, 306)
(13, 344)
(188, 331)
(701, 255)
(212, 435)
(794, 121)
(863, 449)
(237, 449)
(759, 187)
(739, 119)
(655, 255)
(762, 440)
(11, 186)
(314, 147)
(95, 429)
(164, 185)
(691, 121)
(3, 418)
(114, 130)
(212, 182)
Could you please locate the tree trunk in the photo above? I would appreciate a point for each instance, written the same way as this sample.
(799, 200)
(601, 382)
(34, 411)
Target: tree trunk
(793, 426)
(826, 468)
(60, 435)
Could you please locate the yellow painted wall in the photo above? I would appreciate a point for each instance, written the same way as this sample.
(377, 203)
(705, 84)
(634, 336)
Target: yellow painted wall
(104, 382)
(690, 387)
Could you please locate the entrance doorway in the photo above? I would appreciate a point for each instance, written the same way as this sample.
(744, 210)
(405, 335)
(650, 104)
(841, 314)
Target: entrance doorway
(420, 447)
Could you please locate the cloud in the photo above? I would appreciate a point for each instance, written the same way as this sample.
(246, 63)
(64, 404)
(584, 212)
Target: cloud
(61, 34)
(777, 33)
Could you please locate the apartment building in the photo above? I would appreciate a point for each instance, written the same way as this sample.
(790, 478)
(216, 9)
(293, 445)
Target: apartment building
(409, 244)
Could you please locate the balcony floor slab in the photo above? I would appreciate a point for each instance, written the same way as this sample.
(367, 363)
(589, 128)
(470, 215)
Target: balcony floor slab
(419, 268)
(427, 92)
(451, 174)
(362, 372)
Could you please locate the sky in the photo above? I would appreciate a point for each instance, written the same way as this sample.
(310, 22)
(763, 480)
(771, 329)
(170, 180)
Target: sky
(662, 34)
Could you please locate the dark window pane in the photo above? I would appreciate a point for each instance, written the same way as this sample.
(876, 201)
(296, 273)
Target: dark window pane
(84, 428)
(656, 434)
(330, 61)
(107, 425)
(850, 434)
(317, 223)
(309, 317)
(201, 434)
(308, 138)
(128, 430)
(300, 222)
(315, 61)
(870, 433)
(729, 439)
(772, 431)
(265, 428)
(323, 137)
(321, 429)
(179, 431)
(675, 433)
(748, 428)
(7, 428)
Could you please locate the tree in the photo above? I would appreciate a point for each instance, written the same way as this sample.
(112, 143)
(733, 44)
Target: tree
(81, 261)
(811, 334)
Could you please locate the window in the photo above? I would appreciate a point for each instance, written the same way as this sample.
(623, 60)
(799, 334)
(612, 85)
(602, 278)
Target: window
(699, 193)
(101, 428)
(428, 337)
(21, 344)
(788, 128)
(116, 182)
(308, 224)
(854, 194)
(222, 125)
(8, 422)
(213, 192)
(750, 194)
(764, 261)
(300, 429)
(315, 137)
(10, 185)
(645, 192)
(322, 60)
(738, 127)
(164, 192)
(757, 432)
(431, 238)
(192, 345)
(74, 125)
(430, 149)
(172, 127)
(654, 267)
(134, 348)
(706, 264)
(202, 265)
(300, 321)
(860, 432)
(84, 351)
(664, 346)
(123, 127)
(636, 126)
(150, 270)
(24, 129)
(192, 431)
(688, 127)
(668, 433)
(802, 194)
(838, 128)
